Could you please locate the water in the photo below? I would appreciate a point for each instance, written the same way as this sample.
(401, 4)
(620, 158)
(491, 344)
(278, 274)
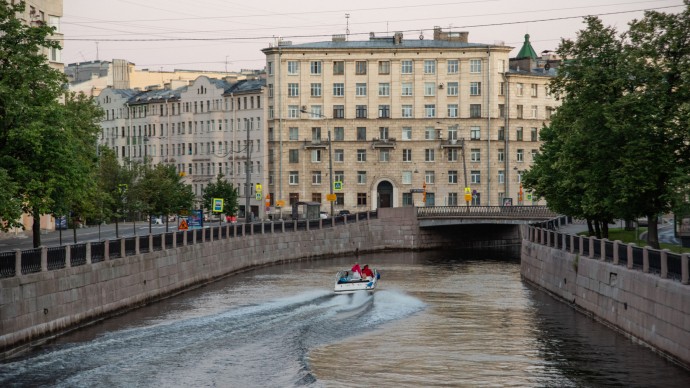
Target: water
(438, 319)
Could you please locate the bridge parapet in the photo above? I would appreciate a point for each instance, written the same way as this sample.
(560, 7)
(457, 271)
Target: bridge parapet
(486, 212)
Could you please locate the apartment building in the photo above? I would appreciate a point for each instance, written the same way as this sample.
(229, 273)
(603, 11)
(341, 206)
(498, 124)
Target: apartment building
(402, 122)
(46, 12)
(209, 127)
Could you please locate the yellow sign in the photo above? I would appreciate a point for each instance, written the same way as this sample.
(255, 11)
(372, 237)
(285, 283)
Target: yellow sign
(468, 197)
(183, 225)
(331, 197)
(468, 191)
(259, 187)
(258, 196)
(280, 203)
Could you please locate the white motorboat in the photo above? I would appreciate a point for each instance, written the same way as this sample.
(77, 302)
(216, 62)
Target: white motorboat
(345, 284)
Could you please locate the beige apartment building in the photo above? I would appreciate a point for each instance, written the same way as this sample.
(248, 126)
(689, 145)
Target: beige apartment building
(411, 122)
(208, 127)
(46, 12)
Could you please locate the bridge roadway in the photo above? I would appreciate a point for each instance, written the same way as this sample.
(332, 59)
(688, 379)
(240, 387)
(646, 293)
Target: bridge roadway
(438, 216)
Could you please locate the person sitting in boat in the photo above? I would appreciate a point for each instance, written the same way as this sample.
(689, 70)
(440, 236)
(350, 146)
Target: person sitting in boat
(367, 273)
(344, 278)
(356, 270)
(356, 276)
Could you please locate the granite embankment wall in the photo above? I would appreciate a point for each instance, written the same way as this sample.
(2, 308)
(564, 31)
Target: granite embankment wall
(645, 306)
(35, 306)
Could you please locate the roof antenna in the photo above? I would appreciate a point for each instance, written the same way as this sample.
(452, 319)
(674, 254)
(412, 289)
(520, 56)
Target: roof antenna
(347, 27)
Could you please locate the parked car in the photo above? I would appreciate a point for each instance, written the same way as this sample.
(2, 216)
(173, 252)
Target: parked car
(323, 215)
(343, 212)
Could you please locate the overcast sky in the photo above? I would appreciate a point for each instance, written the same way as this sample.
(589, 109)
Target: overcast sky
(228, 35)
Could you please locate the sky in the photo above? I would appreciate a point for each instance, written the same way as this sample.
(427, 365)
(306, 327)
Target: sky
(220, 35)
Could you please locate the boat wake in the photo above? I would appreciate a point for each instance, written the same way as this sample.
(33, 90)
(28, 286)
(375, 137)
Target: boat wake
(263, 344)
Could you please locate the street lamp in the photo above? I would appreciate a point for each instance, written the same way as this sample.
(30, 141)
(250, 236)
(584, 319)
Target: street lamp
(330, 155)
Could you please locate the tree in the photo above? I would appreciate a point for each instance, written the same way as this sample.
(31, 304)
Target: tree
(221, 188)
(10, 205)
(161, 191)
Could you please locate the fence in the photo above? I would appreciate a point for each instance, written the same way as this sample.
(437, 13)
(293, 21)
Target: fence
(518, 212)
(22, 262)
(663, 263)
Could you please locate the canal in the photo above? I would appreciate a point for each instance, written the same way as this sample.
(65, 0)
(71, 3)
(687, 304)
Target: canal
(438, 319)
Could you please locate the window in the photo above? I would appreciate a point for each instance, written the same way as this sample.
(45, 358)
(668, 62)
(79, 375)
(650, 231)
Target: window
(361, 177)
(316, 112)
(549, 112)
(429, 177)
(501, 133)
(407, 199)
(475, 110)
(452, 199)
(338, 67)
(430, 110)
(534, 89)
(453, 177)
(383, 132)
(475, 155)
(293, 156)
(407, 177)
(429, 155)
(269, 68)
(475, 65)
(518, 134)
(519, 89)
(293, 90)
(475, 88)
(315, 156)
(452, 110)
(384, 67)
(293, 67)
(338, 89)
(361, 155)
(316, 177)
(452, 89)
(384, 111)
(316, 197)
(384, 155)
(360, 67)
(294, 133)
(429, 66)
(429, 89)
(534, 111)
(361, 199)
(362, 133)
(520, 155)
(429, 133)
(406, 66)
(294, 178)
(475, 133)
(339, 133)
(316, 90)
(501, 176)
(519, 111)
(501, 88)
(270, 90)
(315, 67)
(361, 112)
(533, 134)
(407, 133)
(501, 110)
(501, 155)
(293, 112)
(384, 89)
(360, 89)
(406, 111)
(453, 66)
(338, 111)
(476, 176)
(339, 176)
(452, 154)
(407, 155)
(534, 153)
(339, 155)
(407, 88)
(316, 134)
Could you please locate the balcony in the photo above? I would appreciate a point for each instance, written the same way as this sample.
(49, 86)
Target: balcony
(315, 144)
(383, 143)
(451, 143)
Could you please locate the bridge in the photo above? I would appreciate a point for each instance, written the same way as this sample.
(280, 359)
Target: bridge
(438, 216)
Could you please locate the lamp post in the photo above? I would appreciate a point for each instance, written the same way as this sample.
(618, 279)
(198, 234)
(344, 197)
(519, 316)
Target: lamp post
(330, 155)
(247, 208)
(464, 169)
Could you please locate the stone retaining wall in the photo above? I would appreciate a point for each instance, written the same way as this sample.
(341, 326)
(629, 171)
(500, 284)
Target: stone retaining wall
(648, 308)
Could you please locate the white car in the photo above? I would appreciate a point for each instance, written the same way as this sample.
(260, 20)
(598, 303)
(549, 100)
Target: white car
(323, 215)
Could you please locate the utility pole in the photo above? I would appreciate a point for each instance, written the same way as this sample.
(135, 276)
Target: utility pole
(464, 169)
(247, 188)
(330, 165)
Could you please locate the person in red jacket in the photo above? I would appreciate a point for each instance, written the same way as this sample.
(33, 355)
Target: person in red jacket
(367, 273)
(356, 270)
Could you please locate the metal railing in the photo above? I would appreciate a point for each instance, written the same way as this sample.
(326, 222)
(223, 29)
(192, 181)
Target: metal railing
(30, 261)
(504, 212)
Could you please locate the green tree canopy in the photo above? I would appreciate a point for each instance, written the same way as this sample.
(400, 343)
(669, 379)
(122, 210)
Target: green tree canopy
(221, 188)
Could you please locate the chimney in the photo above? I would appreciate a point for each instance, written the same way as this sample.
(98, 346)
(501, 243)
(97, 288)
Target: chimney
(397, 38)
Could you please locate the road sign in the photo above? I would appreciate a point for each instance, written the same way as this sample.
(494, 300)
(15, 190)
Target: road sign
(259, 188)
(330, 197)
(258, 196)
(183, 224)
(217, 205)
(338, 185)
(416, 190)
(280, 203)
(468, 197)
(467, 190)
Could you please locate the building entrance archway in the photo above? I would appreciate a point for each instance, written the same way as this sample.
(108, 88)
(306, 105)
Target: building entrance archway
(384, 194)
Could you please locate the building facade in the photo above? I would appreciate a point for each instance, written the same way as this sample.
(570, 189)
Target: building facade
(46, 12)
(207, 128)
(394, 122)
